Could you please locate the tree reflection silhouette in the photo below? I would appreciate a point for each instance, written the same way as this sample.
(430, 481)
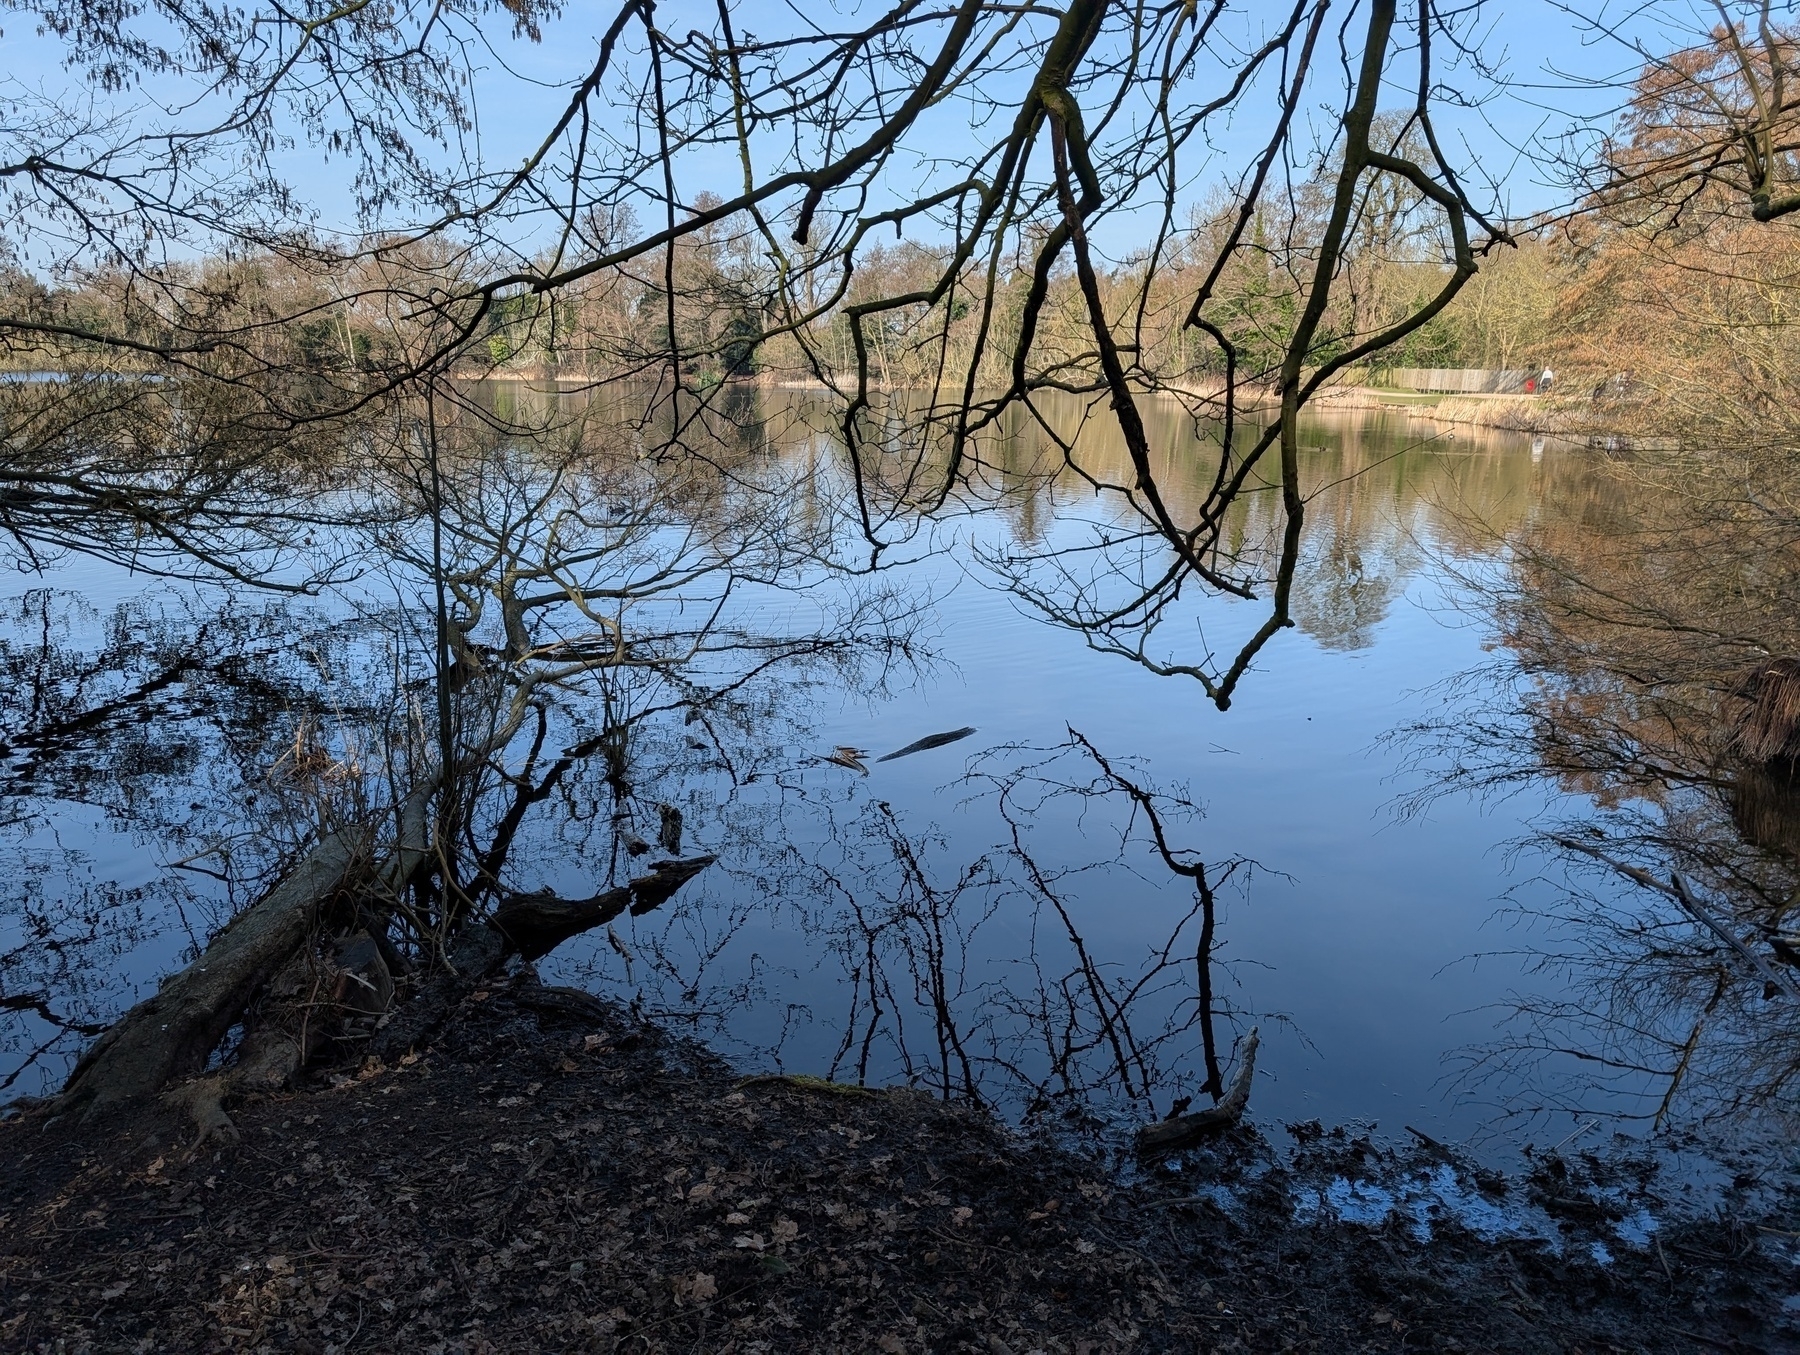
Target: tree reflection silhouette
(1625, 623)
(995, 974)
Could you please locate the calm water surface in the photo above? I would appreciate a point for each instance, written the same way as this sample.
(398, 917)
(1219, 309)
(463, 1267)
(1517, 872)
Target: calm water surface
(986, 912)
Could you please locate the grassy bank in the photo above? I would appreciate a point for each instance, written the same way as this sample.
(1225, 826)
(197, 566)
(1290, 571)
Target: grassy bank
(1542, 415)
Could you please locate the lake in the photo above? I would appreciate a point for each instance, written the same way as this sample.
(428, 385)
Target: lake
(988, 915)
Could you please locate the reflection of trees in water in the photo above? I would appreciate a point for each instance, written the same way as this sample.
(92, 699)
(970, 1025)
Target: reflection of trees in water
(1655, 1010)
(585, 786)
(163, 729)
(1098, 1025)
(995, 973)
(1376, 489)
(222, 735)
(105, 708)
(67, 942)
(635, 618)
(1628, 617)
(1347, 579)
(1376, 486)
(566, 606)
(706, 714)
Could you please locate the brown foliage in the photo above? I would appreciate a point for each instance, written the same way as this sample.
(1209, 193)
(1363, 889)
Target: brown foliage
(1769, 728)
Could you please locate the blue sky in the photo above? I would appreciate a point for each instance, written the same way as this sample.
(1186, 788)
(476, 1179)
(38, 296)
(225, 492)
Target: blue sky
(1535, 47)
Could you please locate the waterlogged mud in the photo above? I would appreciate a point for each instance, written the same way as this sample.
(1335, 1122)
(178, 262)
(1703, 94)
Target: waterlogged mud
(552, 1182)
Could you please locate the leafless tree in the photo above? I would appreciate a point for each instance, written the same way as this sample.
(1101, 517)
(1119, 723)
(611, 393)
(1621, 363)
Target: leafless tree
(1021, 136)
(211, 368)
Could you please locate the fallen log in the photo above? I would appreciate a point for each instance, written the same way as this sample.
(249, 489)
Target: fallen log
(255, 970)
(536, 924)
(286, 1031)
(262, 969)
(1184, 1131)
(529, 926)
(170, 1035)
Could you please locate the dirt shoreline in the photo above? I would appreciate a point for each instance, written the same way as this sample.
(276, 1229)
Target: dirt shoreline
(544, 1180)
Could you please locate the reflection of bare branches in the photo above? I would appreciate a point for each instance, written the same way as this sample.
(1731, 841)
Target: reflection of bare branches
(570, 563)
(990, 973)
(1678, 889)
(1627, 624)
(236, 304)
(35, 1003)
(1022, 796)
(997, 959)
(1145, 803)
(925, 927)
(1645, 1016)
(221, 739)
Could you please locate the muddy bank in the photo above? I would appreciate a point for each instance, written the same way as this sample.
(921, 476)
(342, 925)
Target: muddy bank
(559, 1177)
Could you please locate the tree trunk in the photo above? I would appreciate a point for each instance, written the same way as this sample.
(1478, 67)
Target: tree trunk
(171, 1034)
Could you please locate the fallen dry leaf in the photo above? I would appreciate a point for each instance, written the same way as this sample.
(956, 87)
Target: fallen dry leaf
(699, 1287)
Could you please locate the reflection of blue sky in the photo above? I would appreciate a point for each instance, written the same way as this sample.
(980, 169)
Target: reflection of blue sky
(1425, 1198)
(1366, 934)
(1361, 934)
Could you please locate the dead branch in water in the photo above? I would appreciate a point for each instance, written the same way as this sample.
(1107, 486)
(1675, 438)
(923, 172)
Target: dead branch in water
(1679, 891)
(1184, 1131)
(535, 924)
